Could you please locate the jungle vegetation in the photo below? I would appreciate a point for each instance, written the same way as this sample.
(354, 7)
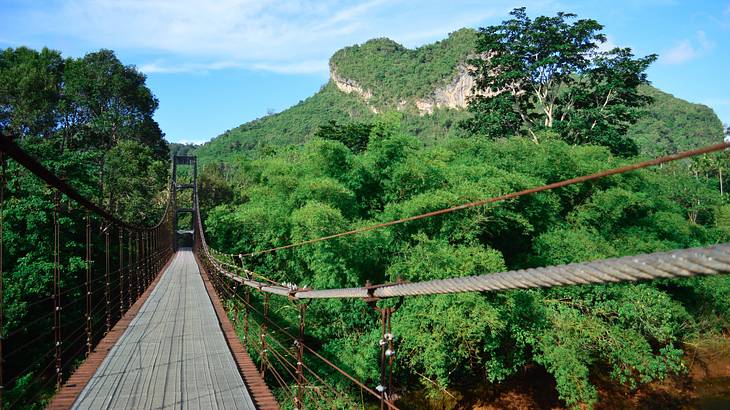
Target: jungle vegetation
(88, 120)
(357, 173)
(331, 164)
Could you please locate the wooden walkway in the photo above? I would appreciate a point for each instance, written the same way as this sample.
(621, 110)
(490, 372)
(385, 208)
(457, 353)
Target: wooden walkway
(172, 355)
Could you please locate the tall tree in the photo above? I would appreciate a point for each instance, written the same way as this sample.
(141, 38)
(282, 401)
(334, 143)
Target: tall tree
(550, 74)
(90, 104)
(30, 89)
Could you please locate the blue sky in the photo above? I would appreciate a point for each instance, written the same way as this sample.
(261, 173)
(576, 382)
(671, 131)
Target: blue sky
(215, 65)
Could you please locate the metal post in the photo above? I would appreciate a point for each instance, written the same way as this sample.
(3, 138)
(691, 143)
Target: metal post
(2, 245)
(107, 283)
(390, 354)
(149, 256)
(247, 298)
(148, 271)
(130, 300)
(387, 353)
(381, 387)
(263, 334)
(89, 335)
(121, 272)
(136, 265)
(174, 203)
(300, 356)
(57, 284)
(153, 254)
(140, 260)
(236, 311)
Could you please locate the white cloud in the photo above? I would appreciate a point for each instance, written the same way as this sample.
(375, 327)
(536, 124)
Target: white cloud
(291, 36)
(298, 67)
(687, 49)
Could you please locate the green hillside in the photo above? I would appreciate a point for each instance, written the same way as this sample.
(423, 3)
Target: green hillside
(394, 74)
(671, 124)
(291, 126)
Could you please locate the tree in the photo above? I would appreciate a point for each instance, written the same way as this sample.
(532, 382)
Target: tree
(213, 187)
(549, 73)
(30, 88)
(354, 135)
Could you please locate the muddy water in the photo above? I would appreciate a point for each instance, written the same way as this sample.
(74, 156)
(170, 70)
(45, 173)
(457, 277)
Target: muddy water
(713, 394)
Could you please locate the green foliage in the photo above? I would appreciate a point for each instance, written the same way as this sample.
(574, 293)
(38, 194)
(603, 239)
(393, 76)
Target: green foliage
(394, 73)
(355, 136)
(293, 126)
(213, 188)
(397, 77)
(548, 73)
(181, 149)
(134, 177)
(634, 333)
(88, 120)
(357, 174)
(669, 125)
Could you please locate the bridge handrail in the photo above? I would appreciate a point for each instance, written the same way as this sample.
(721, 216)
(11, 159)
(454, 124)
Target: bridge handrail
(31, 164)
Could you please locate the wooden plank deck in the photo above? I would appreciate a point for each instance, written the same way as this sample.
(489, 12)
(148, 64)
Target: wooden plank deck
(172, 355)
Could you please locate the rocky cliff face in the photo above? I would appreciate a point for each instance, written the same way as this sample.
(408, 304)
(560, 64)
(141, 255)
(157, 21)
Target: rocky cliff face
(454, 95)
(349, 86)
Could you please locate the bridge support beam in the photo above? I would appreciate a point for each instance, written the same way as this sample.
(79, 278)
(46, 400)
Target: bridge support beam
(387, 352)
(300, 356)
(187, 208)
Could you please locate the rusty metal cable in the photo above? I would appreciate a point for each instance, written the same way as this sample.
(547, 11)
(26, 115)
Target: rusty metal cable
(312, 351)
(547, 187)
(57, 285)
(31, 164)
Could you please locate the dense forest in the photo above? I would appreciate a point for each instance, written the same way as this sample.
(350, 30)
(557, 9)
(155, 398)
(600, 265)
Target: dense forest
(637, 331)
(351, 174)
(89, 120)
(331, 164)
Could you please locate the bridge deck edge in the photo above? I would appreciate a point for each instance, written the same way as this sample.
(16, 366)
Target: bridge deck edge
(66, 396)
(255, 384)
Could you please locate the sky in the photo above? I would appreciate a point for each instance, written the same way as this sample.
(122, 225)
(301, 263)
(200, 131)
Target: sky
(217, 64)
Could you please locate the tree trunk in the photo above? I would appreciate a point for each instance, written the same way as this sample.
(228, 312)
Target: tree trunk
(721, 191)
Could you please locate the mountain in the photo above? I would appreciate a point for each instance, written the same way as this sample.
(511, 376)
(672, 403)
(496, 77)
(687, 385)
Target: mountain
(671, 124)
(430, 85)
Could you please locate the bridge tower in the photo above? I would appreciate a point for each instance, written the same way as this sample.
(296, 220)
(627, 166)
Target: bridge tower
(185, 189)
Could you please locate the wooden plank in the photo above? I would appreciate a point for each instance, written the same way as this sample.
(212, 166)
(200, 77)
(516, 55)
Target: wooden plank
(173, 354)
(67, 394)
(260, 393)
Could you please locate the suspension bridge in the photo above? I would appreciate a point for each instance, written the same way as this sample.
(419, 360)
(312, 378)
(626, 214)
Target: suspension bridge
(159, 319)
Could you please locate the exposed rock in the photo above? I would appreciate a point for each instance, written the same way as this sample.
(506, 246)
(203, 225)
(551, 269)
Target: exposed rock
(453, 95)
(349, 86)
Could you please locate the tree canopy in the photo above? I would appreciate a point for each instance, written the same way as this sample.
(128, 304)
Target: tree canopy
(637, 332)
(549, 73)
(89, 120)
(90, 104)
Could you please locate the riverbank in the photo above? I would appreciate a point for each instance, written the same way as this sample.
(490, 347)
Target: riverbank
(705, 386)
